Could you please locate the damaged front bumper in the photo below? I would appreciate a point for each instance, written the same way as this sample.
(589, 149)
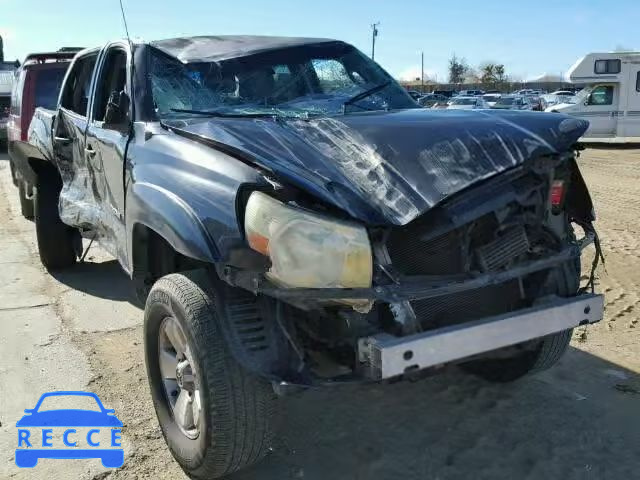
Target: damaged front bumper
(414, 287)
(386, 356)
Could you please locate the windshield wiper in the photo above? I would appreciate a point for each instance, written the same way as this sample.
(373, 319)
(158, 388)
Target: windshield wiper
(219, 113)
(365, 94)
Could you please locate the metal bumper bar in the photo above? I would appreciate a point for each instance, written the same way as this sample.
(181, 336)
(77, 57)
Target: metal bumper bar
(409, 288)
(387, 356)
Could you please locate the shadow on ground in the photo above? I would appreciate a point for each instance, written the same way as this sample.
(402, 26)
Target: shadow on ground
(577, 421)
(99, 279)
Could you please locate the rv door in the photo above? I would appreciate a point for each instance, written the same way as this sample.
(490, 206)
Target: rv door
(631, 125)
(601, 109)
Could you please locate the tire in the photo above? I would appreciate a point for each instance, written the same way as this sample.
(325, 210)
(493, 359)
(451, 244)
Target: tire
(233, 426)
(55, 239)
(546, 352)
(26, 204)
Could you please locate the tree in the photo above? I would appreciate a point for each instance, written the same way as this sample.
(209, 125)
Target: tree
(501, 76)
(457, 69)
(488, 74)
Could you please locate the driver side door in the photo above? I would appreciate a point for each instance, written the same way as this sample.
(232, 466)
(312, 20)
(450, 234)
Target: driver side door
(107, 144)
(601, 110)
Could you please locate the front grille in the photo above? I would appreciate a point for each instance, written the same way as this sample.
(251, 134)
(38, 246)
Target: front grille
(447, 254)
(412, 256)
(466, 306)
(474, 247)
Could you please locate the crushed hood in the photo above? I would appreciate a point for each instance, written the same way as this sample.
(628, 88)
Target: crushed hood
(389, 167)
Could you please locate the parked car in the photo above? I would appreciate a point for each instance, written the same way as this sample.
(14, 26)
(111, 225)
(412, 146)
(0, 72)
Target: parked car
(524, 91)
(563, 93)
(558, 97)
(491, 98)
(293, 219)
(470, 93)
(415, 94)
(514, 102)
(37, 84)
(538, 104)
(467, 103)
(446, 93)
(430, 100)
(6, 84)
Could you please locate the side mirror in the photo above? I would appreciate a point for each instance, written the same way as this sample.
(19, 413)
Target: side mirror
(117, 110)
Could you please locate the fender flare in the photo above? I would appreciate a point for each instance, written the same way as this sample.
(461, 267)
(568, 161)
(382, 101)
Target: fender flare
(27, 159)
(170, 217)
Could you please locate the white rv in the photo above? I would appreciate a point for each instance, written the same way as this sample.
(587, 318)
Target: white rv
(611, 99)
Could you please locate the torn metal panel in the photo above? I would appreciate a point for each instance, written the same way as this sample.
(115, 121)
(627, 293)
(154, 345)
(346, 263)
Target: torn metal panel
(388, 167)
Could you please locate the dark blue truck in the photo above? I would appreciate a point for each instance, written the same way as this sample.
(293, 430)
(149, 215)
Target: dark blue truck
(292, 218)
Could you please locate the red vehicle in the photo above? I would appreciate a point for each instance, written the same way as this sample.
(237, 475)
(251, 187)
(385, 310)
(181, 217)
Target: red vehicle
(37, 84)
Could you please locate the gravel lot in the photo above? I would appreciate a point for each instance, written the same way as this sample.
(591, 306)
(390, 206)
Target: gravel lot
(81, 330)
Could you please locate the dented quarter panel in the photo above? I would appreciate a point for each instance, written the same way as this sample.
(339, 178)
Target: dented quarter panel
(389, 167)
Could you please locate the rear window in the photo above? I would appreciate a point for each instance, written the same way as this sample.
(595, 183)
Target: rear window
(48, 84)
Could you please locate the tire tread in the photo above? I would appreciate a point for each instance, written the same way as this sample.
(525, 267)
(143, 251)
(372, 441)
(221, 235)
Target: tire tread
(242, 405)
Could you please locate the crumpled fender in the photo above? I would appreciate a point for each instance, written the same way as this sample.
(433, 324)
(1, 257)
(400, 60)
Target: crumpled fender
(170, 217)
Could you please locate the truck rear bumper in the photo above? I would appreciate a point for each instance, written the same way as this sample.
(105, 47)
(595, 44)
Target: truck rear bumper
(386, 356)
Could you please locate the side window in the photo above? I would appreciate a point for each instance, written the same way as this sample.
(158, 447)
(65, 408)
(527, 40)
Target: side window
(113, 78)
(601, 95)
(607, 66)
(75, 96)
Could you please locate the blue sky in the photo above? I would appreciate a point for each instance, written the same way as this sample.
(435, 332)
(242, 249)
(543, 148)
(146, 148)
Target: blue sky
(535, 38)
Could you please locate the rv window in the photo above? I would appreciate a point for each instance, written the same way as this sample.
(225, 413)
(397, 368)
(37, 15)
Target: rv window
(607, 66)
(601, 95)
(638, 82)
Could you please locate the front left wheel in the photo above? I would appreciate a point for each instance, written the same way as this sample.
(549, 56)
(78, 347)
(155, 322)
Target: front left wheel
(215, 416)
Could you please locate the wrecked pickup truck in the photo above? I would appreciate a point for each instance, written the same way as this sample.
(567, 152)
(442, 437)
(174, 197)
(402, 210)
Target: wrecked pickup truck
(293, 218)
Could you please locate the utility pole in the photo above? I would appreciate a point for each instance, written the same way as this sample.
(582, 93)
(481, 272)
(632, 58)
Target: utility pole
(374, 34)
(422, 71)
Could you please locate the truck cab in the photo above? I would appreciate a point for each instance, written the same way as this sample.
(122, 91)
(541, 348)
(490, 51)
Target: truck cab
(611, 99)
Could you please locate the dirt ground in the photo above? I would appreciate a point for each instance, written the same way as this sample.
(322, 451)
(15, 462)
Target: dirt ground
(580, 420)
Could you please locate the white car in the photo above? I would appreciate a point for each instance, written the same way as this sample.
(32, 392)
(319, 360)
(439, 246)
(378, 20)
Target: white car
(491, 98)
(563, 93)
(467, 103)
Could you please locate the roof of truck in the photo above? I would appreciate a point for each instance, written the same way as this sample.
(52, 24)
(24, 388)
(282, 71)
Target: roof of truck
(221, 47)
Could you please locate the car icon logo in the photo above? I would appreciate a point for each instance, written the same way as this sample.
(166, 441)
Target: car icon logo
(86, 433)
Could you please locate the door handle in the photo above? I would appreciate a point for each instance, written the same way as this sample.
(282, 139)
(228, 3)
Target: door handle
(89, 151)
(62, 140)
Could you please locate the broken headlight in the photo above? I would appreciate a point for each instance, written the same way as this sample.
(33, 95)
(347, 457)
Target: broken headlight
(307, 249)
